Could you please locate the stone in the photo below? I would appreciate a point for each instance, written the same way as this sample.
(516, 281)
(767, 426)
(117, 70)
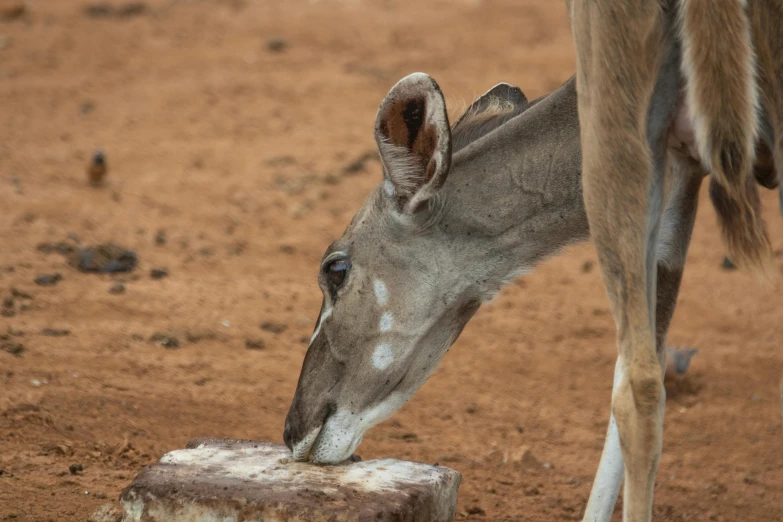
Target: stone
(232, 480)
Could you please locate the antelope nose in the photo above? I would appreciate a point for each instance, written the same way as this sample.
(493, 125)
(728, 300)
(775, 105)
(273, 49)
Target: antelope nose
(287, 436)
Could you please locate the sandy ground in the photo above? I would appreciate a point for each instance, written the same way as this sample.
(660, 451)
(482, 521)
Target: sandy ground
(235, 149)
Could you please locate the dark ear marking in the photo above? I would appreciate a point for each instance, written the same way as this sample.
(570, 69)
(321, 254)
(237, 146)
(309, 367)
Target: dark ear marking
(413, 116)
(414, 140)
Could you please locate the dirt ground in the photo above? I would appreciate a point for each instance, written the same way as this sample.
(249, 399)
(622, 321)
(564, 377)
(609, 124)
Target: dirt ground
(228, 126)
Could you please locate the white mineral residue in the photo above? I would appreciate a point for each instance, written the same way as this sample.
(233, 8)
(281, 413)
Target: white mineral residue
(272, 465)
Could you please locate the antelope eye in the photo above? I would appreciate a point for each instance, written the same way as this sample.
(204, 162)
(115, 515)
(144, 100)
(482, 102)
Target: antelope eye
(336, 271)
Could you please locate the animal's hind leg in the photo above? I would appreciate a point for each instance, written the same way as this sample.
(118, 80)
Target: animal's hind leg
(620, 51)
(677, 226)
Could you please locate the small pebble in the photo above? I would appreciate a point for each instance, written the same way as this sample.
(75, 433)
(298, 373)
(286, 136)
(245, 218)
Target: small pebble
(159, 273)
(273, 327)
(164, 340)
(13, 348)
(160, 237)
(117, 288)
(75, 468)
(48, 279)
(255, 344)
(96, 170)
(54, 332)
(276, 45)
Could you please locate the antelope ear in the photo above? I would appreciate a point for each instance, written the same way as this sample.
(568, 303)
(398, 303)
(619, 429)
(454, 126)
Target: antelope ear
(414, 140)
(501, 99)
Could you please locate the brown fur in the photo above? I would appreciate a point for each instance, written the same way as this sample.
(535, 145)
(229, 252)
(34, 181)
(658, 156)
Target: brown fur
(764, 168)
(722, 93)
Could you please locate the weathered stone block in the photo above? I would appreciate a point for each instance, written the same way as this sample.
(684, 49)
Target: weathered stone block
(242, 480)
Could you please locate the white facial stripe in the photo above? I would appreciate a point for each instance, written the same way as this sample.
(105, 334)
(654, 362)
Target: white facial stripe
(387, 319)
(382, 357)
(381, 293)
(324, 316)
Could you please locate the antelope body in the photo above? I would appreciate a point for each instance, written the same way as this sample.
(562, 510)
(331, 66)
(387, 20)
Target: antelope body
(462, 210)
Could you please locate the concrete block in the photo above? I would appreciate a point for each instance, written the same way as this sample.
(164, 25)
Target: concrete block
(241, 480)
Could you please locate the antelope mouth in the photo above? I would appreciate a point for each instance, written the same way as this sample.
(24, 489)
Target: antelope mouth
(304, 447)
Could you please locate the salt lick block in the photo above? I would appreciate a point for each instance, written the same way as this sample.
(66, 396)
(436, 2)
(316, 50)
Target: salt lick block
(240, 480)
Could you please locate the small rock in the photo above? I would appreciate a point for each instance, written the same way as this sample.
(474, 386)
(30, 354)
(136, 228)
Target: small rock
(100, 495)
(471, 409)
(8, 302)
(160, 237)
(273, 327)
(54, 332)
(13, 348)
(105, 258)
(35, 382)
(132, 9)
(97, 168)
(475, 510)
(75, 469)
(728, 264)
(117, 288)
(167, 341)
(159, 273)
(255, 344)
(12, 10)
(48, 279)
(277, 45)
(678, 360)
(519, 428)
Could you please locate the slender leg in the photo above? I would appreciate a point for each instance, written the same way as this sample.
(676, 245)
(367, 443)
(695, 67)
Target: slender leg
(678, 220)
(620, 52)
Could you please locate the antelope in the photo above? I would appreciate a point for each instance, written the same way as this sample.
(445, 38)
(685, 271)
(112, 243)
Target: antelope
(463, 209)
